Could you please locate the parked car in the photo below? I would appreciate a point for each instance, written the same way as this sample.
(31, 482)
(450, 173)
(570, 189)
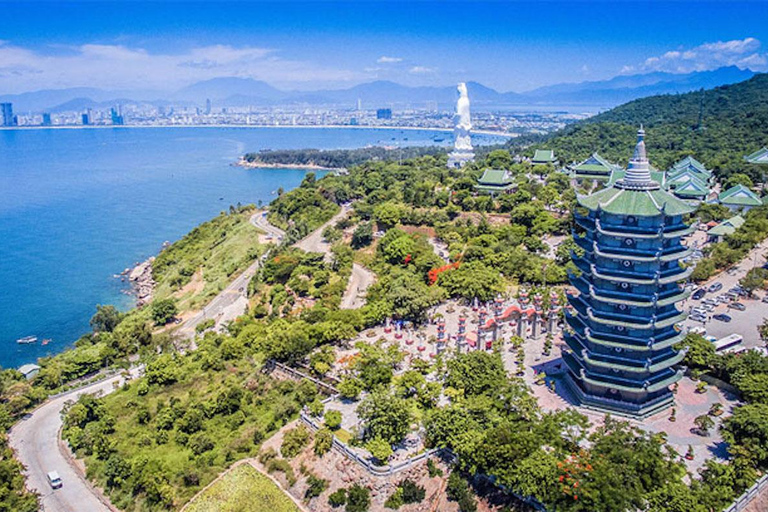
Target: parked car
(54, 479)
(765, 299)
(737, 305)
(715, 287)
(698, 294)
(722, 317)
(698, 318)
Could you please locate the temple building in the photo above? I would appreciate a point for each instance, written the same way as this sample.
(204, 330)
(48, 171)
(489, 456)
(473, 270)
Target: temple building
(593, 168)
(622, 319)
(758, 157)
(495, 182)
(544, 156)
(739, 198)
(689, 179)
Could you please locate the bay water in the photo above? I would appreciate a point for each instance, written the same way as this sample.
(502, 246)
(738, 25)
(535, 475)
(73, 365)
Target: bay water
(78, 206)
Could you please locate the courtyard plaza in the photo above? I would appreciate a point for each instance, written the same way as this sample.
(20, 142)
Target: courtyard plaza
(419, 343)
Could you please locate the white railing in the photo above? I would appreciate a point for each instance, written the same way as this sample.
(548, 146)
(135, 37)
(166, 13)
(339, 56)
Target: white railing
(385, 470)
(750, 494)
(295, 374)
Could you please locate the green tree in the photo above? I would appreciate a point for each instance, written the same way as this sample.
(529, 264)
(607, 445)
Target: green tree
(476, 372)
(105, 319)
(379, 449)
(362, 236)
(385, 416)
(472, 280)
(163, 311)
(747, 428)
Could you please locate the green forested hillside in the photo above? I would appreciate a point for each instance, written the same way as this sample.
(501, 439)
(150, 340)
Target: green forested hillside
(717, 126)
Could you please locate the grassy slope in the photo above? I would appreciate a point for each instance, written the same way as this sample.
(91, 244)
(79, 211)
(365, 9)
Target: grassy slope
(243, 488)
(232, 435)
(216, 250)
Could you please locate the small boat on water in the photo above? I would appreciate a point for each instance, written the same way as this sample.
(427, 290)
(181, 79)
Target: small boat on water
(26, 340)
(46, 341)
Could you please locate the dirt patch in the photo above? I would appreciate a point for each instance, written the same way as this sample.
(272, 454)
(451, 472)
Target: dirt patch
(427, 231)
(193, 287)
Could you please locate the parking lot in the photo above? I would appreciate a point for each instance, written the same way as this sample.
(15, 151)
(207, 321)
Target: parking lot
(744, 322)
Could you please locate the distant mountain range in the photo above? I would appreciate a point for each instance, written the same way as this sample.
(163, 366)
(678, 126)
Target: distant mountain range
(239, 92)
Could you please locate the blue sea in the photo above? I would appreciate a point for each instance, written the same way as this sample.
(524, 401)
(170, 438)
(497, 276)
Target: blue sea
(78, 206)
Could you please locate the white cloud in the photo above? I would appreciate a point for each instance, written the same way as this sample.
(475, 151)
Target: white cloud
(743, 53)
(123, 67)
(422, 70)
(388, 60)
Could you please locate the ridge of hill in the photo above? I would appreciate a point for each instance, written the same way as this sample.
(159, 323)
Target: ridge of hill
(717, 126)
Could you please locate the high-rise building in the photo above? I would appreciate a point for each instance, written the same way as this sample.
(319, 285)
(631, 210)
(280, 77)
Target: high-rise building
(623, 323)
(208, 107)
(47, 119)
(384, 113)
(86, 118)
(117, 117)
(8, 118)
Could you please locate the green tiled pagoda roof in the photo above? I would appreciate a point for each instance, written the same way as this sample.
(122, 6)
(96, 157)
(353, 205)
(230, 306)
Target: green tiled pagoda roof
(690, 163)
(739, 195)
(594, 164)
(727, 227)
(692, 187)
(682, 175)
(495, 177)
(543, 156)
(641, 203)
(758, 157)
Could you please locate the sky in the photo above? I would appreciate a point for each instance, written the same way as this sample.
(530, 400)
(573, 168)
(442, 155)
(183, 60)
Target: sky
(510, 46)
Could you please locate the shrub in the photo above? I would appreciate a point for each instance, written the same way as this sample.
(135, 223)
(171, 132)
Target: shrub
(323, 442)
(200, 442)
(283, 466)
(458, 490)
(380, 449)
(412, 493)
(293, 441)
(432, 469)
(395, 500)
(267, 455)
(337, 498)
(315, 486)
(332, 419)
(358, 499)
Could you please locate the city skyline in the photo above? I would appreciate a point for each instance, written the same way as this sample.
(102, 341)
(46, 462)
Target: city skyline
(524, 46)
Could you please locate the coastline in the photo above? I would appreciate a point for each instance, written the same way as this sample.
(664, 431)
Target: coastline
(141, 281)
(308, 127)
(242, 162)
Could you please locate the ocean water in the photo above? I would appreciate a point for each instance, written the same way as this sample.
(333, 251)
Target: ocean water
(78, 206)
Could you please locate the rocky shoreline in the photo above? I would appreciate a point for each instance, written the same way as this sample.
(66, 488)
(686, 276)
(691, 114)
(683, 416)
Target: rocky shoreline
(141, 281)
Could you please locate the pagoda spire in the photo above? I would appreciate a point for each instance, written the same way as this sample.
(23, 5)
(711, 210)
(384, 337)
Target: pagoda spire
(638, 176)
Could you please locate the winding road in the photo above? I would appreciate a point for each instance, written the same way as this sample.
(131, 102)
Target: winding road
(35, 440)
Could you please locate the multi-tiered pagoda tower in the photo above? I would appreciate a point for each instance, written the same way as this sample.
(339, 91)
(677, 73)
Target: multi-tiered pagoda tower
(623, 319)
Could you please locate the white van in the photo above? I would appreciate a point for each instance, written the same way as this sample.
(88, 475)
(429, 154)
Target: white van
(54, 479)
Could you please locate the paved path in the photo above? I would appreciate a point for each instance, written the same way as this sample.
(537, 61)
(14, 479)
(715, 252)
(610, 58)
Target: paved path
(314, 241)
(36, 442)
(260, 221)
(359, 281)
(232, 301)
